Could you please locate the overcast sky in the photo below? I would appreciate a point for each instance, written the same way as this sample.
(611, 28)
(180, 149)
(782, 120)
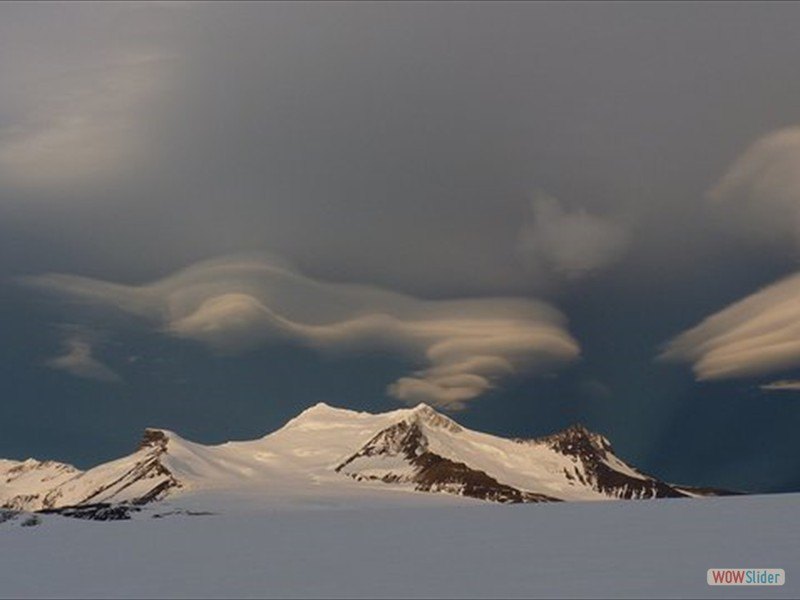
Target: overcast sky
(526, 214)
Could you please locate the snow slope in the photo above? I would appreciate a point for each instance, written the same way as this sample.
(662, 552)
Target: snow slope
(656, 549)
(22, 482)
(331, 452)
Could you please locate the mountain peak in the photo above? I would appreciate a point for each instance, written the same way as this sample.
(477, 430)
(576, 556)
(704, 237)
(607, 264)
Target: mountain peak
(423, 413)
(319, 414)
(579, 430)
(576, 434)
(154, 438)
(321, 409)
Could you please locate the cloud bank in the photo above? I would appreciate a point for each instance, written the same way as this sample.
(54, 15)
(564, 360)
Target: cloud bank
(569, 243)
(757, 335)
(234, 304)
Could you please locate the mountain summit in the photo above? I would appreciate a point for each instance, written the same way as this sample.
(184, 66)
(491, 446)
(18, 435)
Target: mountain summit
(329, 452)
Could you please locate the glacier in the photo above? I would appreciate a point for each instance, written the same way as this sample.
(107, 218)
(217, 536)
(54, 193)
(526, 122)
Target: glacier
(438, 546)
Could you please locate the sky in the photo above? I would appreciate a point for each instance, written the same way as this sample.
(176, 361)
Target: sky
(213, 216)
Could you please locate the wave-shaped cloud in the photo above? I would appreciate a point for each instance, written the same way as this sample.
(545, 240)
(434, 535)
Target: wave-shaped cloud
(237, 303)
(783, 385)
(761, 189)
(759, 334)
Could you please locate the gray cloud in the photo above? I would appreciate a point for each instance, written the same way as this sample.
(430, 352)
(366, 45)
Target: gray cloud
(234, 304)
(316, 131)
(570, 243)
(85, 130)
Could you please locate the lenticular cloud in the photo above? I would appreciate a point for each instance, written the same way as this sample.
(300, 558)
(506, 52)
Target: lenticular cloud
(231, 305)
(754, 336)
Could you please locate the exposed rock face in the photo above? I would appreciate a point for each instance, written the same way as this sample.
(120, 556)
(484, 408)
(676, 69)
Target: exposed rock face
(427, 470)
(30, 481)
(154, 438)
(137, 479)
(597, 466)
(402, 454)
(150, 477)
(103, 511)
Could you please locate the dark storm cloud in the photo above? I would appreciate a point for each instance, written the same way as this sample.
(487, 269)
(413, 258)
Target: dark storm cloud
(317, 131)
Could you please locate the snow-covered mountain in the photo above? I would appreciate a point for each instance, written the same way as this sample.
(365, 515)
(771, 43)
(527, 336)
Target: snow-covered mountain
(22, 483)
(331, 452)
